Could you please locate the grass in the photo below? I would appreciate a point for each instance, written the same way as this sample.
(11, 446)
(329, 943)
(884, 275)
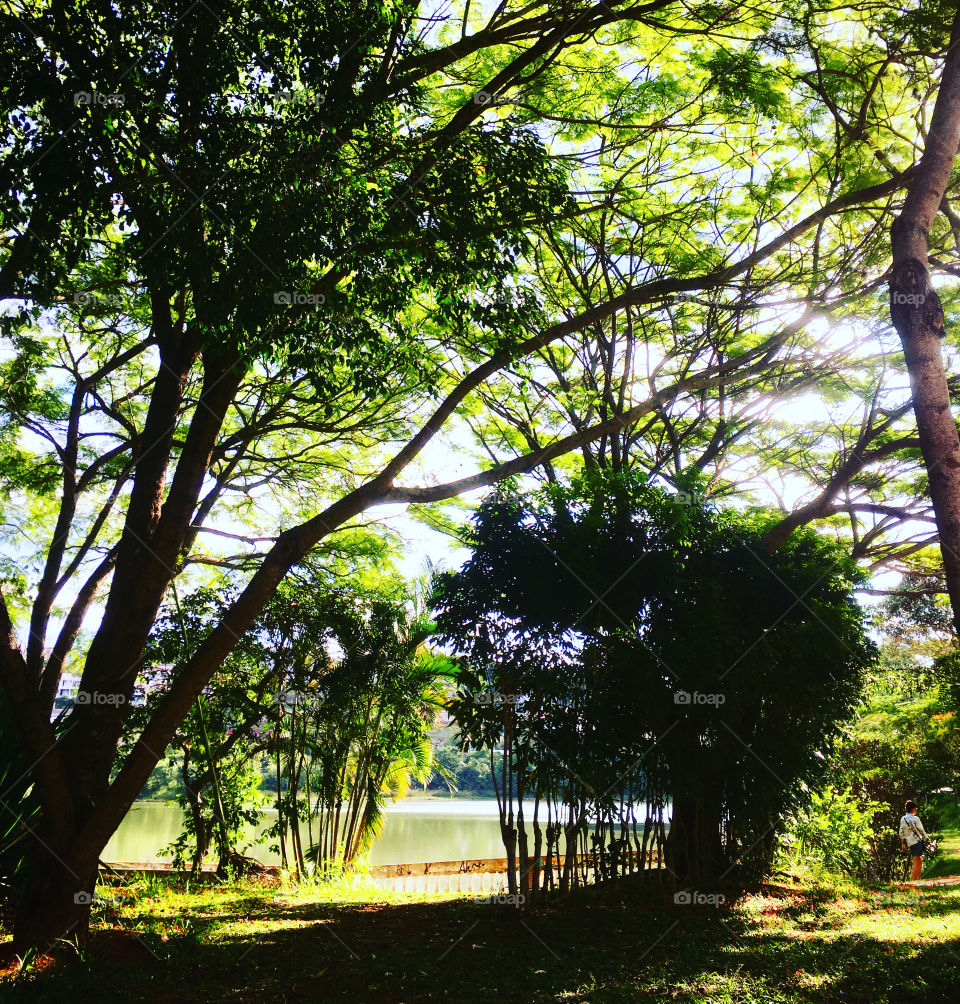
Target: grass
(346, 940)
(947, 861)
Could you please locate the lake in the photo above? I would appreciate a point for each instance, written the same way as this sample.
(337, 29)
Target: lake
(415, 830)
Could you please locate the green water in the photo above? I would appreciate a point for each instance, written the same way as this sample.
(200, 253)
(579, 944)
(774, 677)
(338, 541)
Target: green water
(415, 830)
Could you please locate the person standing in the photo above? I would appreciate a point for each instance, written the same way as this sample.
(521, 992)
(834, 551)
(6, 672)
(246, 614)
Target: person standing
(913, 837)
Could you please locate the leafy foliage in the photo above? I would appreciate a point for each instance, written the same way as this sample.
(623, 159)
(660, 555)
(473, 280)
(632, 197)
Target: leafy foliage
(636, 646)
(839, 831)
(333, 686)
(902, 743)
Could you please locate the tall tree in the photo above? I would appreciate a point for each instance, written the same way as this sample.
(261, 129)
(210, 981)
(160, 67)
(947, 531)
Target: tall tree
(639, 649)
(917, 313)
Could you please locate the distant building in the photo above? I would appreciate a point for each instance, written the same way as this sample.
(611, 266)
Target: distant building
(66, 693)
(67, 687)
(150, 678)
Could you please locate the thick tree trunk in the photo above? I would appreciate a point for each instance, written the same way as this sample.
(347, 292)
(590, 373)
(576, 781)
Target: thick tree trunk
(56, 902)
(146, 563)
(694, 849)
(680, 852)
(916, 314)
(918, 318)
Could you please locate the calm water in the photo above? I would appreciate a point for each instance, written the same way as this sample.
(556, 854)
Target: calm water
(415, 830)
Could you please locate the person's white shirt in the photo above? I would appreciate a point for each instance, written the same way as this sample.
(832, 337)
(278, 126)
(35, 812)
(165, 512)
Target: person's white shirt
(911, 829)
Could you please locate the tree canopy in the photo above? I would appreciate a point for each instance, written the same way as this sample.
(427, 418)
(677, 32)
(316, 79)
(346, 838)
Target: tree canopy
(639, 649)
(262, 261)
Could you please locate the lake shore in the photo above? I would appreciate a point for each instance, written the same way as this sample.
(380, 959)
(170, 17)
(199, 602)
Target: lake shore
(415, 830)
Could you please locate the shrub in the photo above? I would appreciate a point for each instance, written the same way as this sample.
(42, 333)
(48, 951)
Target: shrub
(837, 832)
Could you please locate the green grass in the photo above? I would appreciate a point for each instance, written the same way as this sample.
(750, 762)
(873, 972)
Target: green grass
(947, 861)
(349, 941)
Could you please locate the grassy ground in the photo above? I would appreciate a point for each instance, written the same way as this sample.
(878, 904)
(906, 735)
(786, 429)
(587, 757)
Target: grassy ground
(947, 861)
(352, 942)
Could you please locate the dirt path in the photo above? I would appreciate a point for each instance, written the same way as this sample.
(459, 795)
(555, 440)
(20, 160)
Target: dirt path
(923, 883)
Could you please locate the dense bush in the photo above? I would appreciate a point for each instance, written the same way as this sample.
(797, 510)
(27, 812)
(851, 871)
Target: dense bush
(630, 649)
(836, 831)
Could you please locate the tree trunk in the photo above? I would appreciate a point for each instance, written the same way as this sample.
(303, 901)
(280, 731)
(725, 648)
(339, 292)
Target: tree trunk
(508, 835)
(195, 804)
(537, 866)
(694, 851)
(56, 901)
(917, 315)
(523, 852)
(569, 849)
(281, 826)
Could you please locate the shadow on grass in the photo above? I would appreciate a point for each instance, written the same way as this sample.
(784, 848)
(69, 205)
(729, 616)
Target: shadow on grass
(584, 949)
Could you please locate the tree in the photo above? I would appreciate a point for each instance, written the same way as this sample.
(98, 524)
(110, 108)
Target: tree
(227, 224)
(334, 684)
(640, 647)
(902, 742)
(220, 744)
(363, 215)
(917, 313)
(867, 483)
(352, 727)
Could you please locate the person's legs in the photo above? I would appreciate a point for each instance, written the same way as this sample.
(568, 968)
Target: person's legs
(917, 866)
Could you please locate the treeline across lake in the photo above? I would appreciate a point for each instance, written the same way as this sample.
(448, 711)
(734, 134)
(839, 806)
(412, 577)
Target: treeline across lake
(456, 773)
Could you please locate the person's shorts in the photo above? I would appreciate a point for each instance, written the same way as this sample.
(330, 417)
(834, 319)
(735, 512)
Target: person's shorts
(916, 849)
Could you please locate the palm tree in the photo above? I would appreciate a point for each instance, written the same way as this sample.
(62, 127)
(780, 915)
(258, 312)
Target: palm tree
(359, 737)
